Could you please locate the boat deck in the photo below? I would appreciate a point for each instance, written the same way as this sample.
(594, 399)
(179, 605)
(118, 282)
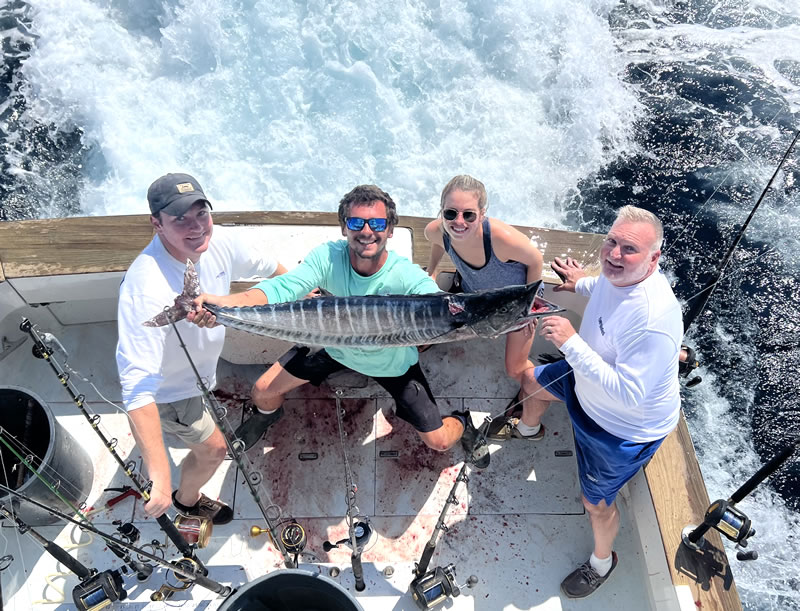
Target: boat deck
(519, 526)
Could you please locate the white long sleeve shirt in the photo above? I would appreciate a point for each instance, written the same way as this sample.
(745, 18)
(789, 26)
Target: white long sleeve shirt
(625, 358)
(152, 366)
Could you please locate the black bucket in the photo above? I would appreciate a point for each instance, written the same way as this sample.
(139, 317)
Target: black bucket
(291, 590)
(57, 456)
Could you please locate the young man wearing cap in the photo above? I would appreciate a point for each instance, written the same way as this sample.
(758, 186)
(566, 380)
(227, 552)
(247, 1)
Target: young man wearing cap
(159, 389)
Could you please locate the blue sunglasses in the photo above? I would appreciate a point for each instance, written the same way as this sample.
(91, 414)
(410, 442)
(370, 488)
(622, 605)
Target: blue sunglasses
(357, 224)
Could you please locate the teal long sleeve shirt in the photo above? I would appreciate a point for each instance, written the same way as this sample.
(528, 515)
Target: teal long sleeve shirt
(328, 267)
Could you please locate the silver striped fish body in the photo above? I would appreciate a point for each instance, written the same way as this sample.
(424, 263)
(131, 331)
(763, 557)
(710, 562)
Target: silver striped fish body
(388, 320)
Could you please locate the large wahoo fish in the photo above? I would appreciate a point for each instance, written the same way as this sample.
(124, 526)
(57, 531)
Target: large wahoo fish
(375, 320)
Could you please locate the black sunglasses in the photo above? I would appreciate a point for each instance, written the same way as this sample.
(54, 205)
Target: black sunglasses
(357, 224)
(450, 214)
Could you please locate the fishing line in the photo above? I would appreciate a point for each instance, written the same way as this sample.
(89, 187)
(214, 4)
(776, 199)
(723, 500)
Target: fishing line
(142, 570)
(42, 350)
(356, 530)
(40, 477)
(48, 578)
(95, 417)
(17, 448)
(694, 311)
(731, 273)
(188, 569)
(717, 188)
(17, 535)
(273, 513)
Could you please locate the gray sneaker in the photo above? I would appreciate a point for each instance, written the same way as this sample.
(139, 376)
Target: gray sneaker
(584, 580)
(252, 429)
(507, 429)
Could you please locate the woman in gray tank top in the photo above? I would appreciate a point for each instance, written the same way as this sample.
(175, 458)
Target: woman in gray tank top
(487, 253)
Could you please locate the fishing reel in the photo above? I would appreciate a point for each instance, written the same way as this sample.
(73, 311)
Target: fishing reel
(437, 586)
(363, 531)
(292, 535)
(99, 591)
(687, 363)
(166, 591)
(730, 521)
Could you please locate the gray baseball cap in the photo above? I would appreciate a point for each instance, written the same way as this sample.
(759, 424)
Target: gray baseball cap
(175, 194)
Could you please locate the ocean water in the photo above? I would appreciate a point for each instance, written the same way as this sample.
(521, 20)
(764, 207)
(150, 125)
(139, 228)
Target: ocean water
(565, 109)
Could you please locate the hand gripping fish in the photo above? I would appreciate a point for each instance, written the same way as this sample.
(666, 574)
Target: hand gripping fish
(375, 320)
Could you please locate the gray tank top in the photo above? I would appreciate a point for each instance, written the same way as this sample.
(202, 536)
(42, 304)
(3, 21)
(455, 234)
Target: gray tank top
(494, 273)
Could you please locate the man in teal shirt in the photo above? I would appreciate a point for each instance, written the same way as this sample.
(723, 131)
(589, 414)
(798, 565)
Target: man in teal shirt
(360, 265)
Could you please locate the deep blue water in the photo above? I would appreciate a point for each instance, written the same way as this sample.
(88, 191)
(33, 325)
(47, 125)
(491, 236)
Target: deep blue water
(565, 110)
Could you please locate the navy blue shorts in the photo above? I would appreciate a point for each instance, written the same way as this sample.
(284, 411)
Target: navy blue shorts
(605, 462)
(412, 396)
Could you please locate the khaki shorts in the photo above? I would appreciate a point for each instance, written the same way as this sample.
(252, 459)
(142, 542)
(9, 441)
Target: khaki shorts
(187, 419)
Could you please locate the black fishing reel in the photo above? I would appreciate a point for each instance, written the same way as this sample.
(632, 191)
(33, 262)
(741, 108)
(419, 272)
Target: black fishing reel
(687, 363)
(435, 587)
(363, 531)
(99, 591)
(730, 521)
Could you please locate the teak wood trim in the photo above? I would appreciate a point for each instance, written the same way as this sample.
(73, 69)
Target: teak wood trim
(94, 244)
(680, 499)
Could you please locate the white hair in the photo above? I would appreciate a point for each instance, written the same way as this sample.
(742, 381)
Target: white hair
(632, 214)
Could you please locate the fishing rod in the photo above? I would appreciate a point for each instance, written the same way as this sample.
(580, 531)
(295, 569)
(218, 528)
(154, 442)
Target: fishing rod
(359, 531)
(143, 571)
(694, 311)
(290, 536)
(431, 588)
(96, 589)
(725, 517)
(187, 570)
(42, 350)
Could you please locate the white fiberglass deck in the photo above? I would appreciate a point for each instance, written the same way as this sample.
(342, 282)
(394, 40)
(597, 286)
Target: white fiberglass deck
(519, 526)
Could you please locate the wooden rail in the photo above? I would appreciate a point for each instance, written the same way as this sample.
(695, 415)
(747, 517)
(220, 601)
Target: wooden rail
(95, 244)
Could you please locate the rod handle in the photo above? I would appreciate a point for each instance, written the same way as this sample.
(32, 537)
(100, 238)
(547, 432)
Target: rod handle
(425, 561)
(60, 554)
(358, 571)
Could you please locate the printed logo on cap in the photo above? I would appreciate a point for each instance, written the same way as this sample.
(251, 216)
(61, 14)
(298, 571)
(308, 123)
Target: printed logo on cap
(183, 187)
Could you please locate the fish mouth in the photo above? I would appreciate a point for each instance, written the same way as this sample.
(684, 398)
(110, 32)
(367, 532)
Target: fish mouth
(537, 308)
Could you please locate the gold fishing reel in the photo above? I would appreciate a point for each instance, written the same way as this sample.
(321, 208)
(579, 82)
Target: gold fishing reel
(166, 591)
(195, 529)
(292, 535)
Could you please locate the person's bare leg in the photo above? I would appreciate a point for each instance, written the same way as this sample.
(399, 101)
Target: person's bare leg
(199, 466)
(270, 389)
(518, 348)
(267, 394)
(605, 526)
(537, 399)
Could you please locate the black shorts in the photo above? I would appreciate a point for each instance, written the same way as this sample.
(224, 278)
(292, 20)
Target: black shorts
(412, 396)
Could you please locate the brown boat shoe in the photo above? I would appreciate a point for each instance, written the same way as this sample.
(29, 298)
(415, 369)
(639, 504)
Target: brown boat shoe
(217, 511)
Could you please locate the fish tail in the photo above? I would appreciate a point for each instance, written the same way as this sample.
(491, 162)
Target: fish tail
(184, 303)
